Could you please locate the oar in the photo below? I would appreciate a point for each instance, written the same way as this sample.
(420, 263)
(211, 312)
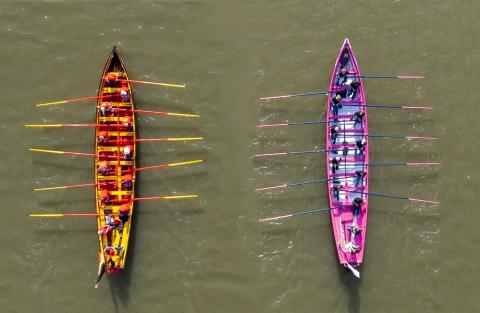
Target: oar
(161, 139)
(69, 215)
(391, 136)
(293, 214)
(287, 123)
(72, 100)
(72, 125)
(151, 83)
(75, 153)
(313, 93)
(397, 77)
(395, 197)
(159, 112)
(388, 106)
(166, 198)
(115, 182)
(296, 184)
(293, 153)
(402, 164)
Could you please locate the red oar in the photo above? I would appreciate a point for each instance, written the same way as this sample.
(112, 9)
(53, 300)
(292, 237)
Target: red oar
(159, 112)
(151, 83)
(69, 214)
(72, 125)
(72, 100)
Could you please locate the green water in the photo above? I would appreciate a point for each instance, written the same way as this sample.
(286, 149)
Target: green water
(212, 255)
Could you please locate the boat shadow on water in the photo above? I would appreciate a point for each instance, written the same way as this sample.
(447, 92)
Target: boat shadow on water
(352, 286)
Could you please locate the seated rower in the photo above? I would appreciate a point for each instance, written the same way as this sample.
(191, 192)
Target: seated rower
(105, 196)
(128, 152)
(360, 147)
(342, 76)
(358, 118)
(354, 229)
(336, 105)
(127, 181)
(345, 149)
(357, 205)
(104, 168)
(124, 213)
(354, 85)
(106, 109)
(111, 251)
(111, 78)
(359, 174)
(334, 133)
(335, 163)
(125, 93)
(103, 137)
(127, 122)
(351, 247)
(345, 58)
(336, 191)
(110, 224)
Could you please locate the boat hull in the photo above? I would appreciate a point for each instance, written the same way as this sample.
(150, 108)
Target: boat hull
(343, 184)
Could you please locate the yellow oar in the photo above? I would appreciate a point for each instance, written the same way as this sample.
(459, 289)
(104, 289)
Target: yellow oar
(72, 100)
(151, 83)
(169, 139)
(67, 214)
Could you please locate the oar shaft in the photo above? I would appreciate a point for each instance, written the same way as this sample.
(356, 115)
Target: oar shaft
(395, 197)
(166, 198)
(76, 153)
(72, 100)
(69, 215)
(168, 165)
(386, 106)
(398, 77)
(294, 214)
(313, 93)
(159, 112)
(71, 125)
(152, 83)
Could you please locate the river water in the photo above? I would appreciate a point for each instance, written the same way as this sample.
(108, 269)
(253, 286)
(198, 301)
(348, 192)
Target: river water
(212, 255)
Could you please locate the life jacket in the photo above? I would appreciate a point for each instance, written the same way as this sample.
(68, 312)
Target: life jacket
(104, 167)
(127, 177)
(103, 136)
(127, 121)
(111, 77)
(128, 151)
(104, 195)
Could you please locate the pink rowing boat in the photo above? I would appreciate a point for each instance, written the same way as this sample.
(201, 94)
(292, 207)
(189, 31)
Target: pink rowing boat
(347, 154)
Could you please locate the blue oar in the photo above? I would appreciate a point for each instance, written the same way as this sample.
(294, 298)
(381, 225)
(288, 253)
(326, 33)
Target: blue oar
(395, 197)
(313, 93)
(387, 106)
(294, 214)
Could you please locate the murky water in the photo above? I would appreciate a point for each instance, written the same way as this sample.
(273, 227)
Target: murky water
(212, 255)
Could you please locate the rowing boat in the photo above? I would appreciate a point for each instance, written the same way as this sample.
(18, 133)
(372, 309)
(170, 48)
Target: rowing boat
(115, 180)
(350, 175)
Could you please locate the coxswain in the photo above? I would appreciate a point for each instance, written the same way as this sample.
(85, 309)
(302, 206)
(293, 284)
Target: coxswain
(124, 93)
(106, 109)
(105, 196)
(342, 76)
(336, 105)
(103, 137)
(111, 78)
(334, 133)
(127, 122)
(336, 191)
(128, 181)
(354, 85)
(360, 146)
(359, 174)
(357, 118)
(351, 247)
(104, 168)
(335, 163)
(109, 250)
(128, 152)
(357, 205)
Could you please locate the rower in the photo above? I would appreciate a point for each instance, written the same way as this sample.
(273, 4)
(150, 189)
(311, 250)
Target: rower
(105, 196)
(354, 85)
(357, 205)
(104, 168)
(345, 58)
(124, 213)
(124, 93)
(355, 229)
(360, 146)
(128, 181)
(103, 137)
(335, 163)
(359, 174)
(106, 109)
(128, 152)
(336, 191)
(111, 78)
(334, 133)
(345, 149)
(342, 76)
(127, 122)
(110, 224)
(336, 103)
(351, 247)
(357, 118)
